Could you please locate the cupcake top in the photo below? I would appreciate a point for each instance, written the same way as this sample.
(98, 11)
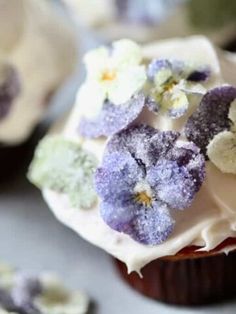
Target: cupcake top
(34, 61)
(145, 164)
(22, 292)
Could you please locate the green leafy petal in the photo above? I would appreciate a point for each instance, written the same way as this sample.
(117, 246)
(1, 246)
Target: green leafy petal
(63, 166)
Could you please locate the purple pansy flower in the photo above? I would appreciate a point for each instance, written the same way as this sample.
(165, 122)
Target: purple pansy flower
(169, 84)
(145, 174)
(212, 127)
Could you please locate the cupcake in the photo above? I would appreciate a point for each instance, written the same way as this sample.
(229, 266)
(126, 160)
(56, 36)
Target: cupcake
(37, 53)
(144, 166)
(26, 293)
(158, 19)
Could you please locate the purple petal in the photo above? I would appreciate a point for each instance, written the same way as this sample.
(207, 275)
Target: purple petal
(211, 117)
(118, 216)
(199, 75)
(155, 66)
(152, 225)
(112, 118)
(136, 140)
(173, 185)
(187, 154)
(117, 177)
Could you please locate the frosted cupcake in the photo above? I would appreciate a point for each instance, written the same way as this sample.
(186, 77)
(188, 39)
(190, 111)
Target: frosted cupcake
(37, 53)
(145, 166)
(25, 293)
(158, 19)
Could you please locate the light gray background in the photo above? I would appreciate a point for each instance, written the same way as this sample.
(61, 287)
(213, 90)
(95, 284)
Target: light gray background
(32, 239)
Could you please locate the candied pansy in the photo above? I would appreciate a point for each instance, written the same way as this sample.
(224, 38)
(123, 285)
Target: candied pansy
(169, 84)
(145, 175)
(115, 77)
(212, 127)
(116, 73)
(63, 166)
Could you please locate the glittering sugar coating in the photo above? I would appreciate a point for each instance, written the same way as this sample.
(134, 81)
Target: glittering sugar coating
(169, 84)
(144, 174)
(211, 117)
(9, 88)
(63, 166)
(143, 142)
(112, 118)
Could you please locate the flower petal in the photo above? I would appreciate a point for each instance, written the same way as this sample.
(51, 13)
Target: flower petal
(112, 118)
(126, 53)
(173, 184)
(117, 176)
(128, 82)
(96, 61)
(211, 117)
(191, 88)
(222, 151)
(199, 75)
(175, 103)
(118, 216)
(152, 225)
(136, 140)
(63, 166)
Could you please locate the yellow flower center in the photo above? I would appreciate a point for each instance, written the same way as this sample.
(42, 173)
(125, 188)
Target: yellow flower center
(169, 86)
(108, 75)
(143, 198)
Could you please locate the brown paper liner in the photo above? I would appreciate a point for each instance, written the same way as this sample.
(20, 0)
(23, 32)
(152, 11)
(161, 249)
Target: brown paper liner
(186, 278)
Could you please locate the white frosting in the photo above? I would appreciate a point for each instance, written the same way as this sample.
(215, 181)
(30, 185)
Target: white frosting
(211, 218)
(35, 40)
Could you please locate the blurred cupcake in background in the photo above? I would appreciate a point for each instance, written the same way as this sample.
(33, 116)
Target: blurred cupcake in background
(145, 166)
(158, 19)
(37, 54)
(23, 292)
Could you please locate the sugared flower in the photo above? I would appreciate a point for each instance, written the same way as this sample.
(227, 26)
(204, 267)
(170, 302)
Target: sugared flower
(114, 77)
(170, 82)
(63, 166)
(145, 174)
(212, 127)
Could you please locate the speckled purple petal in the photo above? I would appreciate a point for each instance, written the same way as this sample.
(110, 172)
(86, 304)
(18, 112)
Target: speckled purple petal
(199, 75)
(174, 185)
(152, 225)
(156, 65)
(112, 118)
(119, 215)
(211, 117)
(143, 142)
(117, 177)
(9, 88)
(187, 154)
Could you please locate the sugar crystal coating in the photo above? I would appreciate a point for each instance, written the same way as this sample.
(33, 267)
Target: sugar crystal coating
(144, 174)
(211, 117)
(63, 166)
(112, 118)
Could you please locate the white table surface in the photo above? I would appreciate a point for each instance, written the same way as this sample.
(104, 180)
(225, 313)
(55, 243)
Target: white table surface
(32, 239)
